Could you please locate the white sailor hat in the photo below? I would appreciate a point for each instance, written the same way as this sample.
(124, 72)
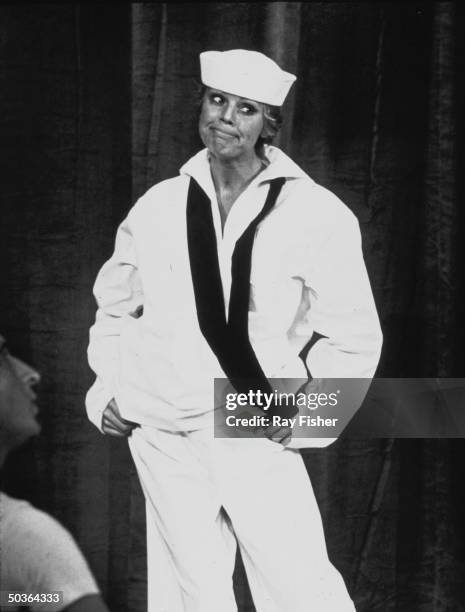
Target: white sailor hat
(248, 74)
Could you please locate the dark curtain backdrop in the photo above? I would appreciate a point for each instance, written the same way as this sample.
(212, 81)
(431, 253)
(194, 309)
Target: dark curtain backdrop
(98, 102)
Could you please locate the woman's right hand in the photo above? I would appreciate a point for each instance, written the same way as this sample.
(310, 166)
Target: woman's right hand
(113, 423)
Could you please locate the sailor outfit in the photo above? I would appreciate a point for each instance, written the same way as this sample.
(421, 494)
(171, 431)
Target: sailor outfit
(306, 275)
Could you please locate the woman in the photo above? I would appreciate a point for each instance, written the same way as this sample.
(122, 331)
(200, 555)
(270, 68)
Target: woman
(235, 264)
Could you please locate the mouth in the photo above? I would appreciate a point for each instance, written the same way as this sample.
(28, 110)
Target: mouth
(223, 134)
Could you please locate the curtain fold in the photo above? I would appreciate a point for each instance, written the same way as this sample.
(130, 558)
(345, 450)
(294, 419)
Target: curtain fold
(441, 235)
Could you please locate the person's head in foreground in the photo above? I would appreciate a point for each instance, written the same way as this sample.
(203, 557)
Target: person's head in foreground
(241, 104)
(18, 409)
(38, 556)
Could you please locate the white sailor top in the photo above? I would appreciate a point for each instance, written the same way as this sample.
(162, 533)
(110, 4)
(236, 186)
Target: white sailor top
(307, 280)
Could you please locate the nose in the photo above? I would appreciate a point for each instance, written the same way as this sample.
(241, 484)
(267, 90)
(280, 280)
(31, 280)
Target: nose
(26, 374)
(228, 114)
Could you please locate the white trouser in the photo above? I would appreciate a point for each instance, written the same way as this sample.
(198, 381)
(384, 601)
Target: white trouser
(187, 478)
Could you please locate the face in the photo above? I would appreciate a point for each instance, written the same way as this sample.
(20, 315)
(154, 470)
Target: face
(229, 125)
(18, 409)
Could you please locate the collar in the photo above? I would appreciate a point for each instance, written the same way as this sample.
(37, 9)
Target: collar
(280, 165)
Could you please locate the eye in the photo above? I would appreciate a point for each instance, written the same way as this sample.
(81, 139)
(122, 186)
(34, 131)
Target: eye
(247, 109)
(216, 98)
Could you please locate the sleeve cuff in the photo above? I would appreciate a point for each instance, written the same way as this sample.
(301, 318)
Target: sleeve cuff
(301, 443)
(97, 400)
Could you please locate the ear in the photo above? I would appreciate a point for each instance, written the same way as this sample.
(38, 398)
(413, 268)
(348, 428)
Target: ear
(266, 131)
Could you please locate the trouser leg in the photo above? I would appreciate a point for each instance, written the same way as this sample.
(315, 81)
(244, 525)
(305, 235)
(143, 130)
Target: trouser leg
(163, 592)
(191, 549)
(273, 510)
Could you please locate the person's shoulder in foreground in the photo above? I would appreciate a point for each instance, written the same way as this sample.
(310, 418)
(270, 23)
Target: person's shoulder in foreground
(38, 556)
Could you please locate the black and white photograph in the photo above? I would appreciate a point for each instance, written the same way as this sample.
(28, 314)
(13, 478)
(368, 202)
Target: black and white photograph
(232, 374)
